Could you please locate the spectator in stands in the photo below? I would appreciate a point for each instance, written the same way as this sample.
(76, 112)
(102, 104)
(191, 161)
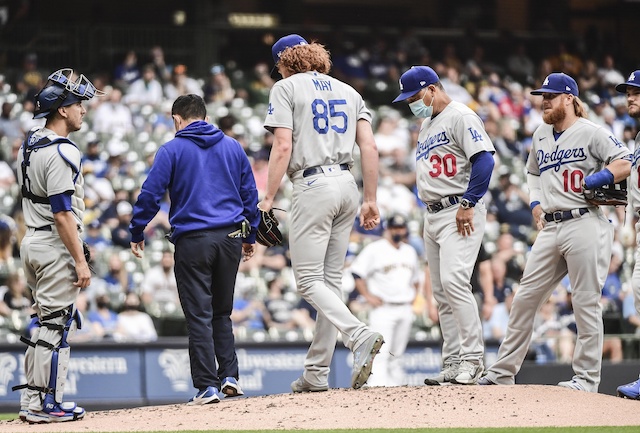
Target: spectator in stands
(9, 262)
(117, 280)
(30, 78)
(145, 90)
(95, 238)
(520, 66)
(162, 70)
(159, 285)
(112, 117)
(127, 72)
(260, 85)
(495, 328)
(14, 295)
(390, 137)
(181, 84)
(280, 305)
(120, 235)
(218, 88)
(510, 204)
(92, 160)
(134, 325)
(9, 125)
(249, 312)
(104, 317)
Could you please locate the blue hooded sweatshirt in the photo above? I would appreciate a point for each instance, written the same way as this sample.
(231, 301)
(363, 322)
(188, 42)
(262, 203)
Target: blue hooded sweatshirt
(210, 184)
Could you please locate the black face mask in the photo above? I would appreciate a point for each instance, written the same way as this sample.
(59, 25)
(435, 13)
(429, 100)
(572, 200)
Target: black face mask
(397, 238)
(102, 304)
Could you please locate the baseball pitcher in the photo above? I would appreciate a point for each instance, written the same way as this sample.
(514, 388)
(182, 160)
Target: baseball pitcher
(316, 120)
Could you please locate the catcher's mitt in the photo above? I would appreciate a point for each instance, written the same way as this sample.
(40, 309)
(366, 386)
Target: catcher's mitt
(268, 233)
(607, 195)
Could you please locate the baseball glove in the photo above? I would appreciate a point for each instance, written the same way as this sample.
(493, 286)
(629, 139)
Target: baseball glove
(607, 195)
(87, 256)
(268, 233)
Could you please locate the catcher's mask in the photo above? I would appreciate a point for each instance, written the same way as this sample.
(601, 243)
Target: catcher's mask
(62, 90)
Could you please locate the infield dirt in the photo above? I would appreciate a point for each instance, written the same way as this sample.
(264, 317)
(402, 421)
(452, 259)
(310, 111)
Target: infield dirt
(402, 407)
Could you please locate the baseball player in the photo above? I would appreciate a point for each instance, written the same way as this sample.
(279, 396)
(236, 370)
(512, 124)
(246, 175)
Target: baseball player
(52, 251)
(569, 154)
(454, 161)
(632, 90)
(387, 274)
(316, 120)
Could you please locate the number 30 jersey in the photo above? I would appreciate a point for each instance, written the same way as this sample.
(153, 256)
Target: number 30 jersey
(322, 112)
(446, 144)
(563, 162)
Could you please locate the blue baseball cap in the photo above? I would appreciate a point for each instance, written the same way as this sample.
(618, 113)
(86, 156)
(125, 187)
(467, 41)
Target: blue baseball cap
(633, 81)
(286, 42)
(415, 79)
(558, 82)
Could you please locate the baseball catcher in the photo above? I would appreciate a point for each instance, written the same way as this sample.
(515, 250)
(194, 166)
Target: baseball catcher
(268, 233)
(608, 195)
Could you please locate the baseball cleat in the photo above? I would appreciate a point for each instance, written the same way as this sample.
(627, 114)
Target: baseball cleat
(60, 412)
(484, 380)
(23, 414)
(468, 373)
(572, 384)
(206, 396)
(363, 359)
(449, 371)
(230, 387)
(630, 390)
(301, 385)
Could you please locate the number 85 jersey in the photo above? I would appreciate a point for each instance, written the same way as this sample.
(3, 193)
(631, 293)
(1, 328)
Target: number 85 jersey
(322, 112)
(446, 144)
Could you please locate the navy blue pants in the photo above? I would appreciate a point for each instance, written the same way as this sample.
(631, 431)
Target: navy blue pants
(206, 266)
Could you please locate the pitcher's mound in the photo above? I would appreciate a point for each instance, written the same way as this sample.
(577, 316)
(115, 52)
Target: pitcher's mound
(402, 407)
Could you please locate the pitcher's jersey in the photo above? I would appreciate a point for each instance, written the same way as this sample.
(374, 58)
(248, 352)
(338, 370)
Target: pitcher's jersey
(583, 149)
(322, 112)
(446, 144)
(52, 170)
(634, 179)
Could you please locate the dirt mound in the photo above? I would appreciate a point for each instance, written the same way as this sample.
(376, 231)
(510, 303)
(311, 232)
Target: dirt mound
(402, 407)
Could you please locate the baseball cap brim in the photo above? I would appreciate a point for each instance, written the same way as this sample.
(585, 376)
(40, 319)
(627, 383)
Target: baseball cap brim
(622, 88)
(405, 95)
(541, 91)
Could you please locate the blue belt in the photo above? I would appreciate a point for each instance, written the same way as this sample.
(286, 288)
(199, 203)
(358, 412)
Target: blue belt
(439, 205)
(563, 215)
(318, 169)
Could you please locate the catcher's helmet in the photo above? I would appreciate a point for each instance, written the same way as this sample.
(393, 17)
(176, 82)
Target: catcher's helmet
(60, 91)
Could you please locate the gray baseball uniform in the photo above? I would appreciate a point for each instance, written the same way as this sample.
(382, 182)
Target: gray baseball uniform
(322, 112)
(576, 240)
(47, 263)
(634, 202)
(446, 144)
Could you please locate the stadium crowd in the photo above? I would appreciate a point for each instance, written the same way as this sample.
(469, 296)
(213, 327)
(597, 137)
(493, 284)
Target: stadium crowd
(133, 300)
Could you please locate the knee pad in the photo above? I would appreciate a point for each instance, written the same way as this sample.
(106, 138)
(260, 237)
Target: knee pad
(71, 320)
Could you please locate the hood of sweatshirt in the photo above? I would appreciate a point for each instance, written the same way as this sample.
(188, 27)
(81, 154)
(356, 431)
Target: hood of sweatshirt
(202, 133)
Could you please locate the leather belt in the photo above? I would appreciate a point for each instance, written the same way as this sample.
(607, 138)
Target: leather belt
(446, 202)
(318, 169)
(43, 229)
(564, 215)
